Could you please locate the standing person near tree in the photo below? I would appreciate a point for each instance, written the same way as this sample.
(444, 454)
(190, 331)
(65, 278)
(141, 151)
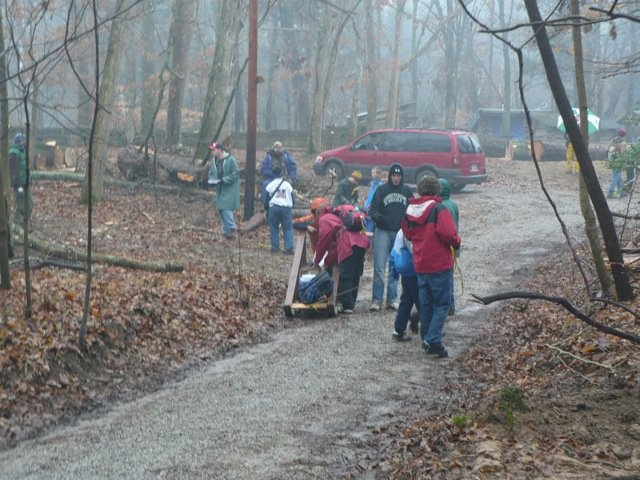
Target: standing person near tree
(431, 229)
(277, 157)
(280, 196)
(22, 197)
(445, 194)
(387, 211)
(617, 147)
(223, 174)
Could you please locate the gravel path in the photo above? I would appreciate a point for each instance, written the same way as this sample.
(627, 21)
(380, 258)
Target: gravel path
(305, 404)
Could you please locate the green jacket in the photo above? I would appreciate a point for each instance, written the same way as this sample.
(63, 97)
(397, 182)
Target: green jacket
(225, 169)
(346, 193)
(17, 166)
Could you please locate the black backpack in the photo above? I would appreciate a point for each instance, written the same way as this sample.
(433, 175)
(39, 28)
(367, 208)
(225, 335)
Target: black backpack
(352, 219)
(319, 286)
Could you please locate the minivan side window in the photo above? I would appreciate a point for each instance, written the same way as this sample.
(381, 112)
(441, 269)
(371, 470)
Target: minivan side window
(368, 142)
(434, 142)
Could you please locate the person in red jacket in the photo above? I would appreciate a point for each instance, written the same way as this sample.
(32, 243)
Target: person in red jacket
(329, 228)
(352, 246)
(430, 227)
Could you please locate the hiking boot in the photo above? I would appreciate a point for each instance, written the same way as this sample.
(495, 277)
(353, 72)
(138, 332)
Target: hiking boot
(414, 324)
(438, 351)
(400, 337)
(393, 306)
(347, 311)
(375, 307)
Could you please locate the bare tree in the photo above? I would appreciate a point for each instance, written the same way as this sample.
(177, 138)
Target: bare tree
(108, 85)
(181, 34)
(394, 81)
(221, 82)
(605, 219)
(5, 233)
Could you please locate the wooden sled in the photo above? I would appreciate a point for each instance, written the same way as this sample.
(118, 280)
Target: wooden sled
(291, 304)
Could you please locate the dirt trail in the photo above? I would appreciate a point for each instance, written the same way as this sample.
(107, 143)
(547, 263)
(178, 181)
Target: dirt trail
(307, 403)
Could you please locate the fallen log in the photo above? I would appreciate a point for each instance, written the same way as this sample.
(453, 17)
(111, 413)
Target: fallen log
(66, 253)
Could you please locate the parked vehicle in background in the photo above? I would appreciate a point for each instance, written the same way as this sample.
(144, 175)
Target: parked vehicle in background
(452, 154)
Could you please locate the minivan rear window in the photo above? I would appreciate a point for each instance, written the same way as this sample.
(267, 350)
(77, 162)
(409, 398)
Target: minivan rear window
(468, 144)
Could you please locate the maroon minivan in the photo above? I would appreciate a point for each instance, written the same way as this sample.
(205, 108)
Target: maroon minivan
(452, 154)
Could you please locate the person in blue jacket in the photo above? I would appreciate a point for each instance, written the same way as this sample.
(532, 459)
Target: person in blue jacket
(277, 157)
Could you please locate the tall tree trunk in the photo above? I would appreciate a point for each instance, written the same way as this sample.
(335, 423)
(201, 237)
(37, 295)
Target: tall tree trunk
(83, 64)
(605, 219)
(273, 60)
(181, 34)
(295, 65)
(326, 54)
(414, 65)
(108, 86)
(590, 224)
(359, 75)
(221, 79)
(506, 98)
(149, 78)
(372, 65)
(394, 79)
(5, 186)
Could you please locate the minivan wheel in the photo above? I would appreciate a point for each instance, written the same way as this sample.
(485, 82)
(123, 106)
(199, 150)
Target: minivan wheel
(456, 187)
(335, 170)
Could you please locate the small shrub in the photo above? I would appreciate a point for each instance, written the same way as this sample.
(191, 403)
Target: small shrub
(461, 420)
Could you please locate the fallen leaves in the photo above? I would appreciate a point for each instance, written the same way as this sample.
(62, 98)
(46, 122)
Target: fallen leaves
(141, 324)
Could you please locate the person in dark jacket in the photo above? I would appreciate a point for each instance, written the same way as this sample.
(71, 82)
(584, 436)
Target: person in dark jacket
(387, 211)
(431, 229)
(277, 157)
(22, 197)
(348, 190)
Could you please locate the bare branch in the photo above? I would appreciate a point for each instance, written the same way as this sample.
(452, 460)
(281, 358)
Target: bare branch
(564, 303)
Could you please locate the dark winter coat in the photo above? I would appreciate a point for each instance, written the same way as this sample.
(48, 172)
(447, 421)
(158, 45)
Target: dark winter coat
(390, 203)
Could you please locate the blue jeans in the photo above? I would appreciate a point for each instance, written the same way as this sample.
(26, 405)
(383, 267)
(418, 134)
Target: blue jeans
(435, 301)
(228, 223)
(382, 245)
(616, 182)
(279, 215)
(408, 298)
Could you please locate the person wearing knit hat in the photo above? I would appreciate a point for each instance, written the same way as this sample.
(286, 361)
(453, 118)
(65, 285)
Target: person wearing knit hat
(348, 190)
(309, 223)
(277, 156)
(387, 210)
